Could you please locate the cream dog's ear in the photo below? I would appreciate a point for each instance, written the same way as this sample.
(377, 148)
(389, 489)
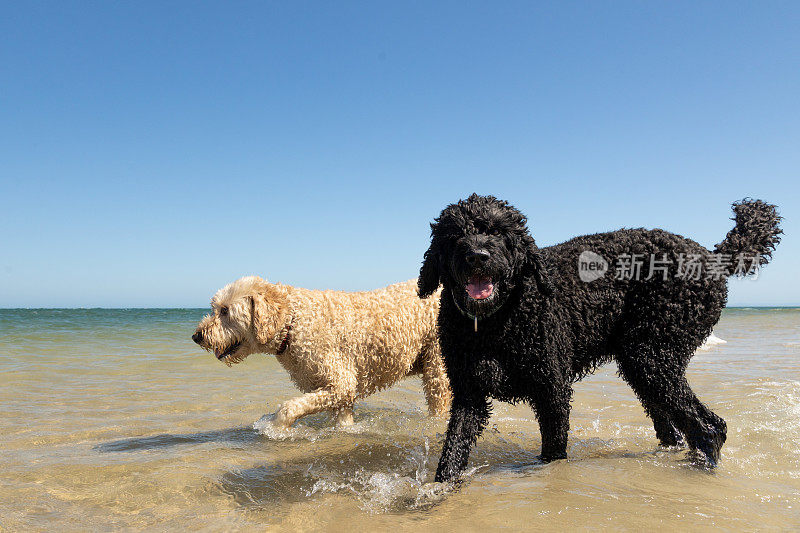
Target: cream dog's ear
(269, 312)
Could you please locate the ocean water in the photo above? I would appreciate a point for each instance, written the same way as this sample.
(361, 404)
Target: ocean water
(114, 419)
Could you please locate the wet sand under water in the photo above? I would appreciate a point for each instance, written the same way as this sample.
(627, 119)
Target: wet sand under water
(113, 419)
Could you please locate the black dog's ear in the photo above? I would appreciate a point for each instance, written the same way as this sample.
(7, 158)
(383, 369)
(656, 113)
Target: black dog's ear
(429, 278)
(535, 264)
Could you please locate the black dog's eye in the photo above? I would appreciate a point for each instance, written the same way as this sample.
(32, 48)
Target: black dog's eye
(223, 311)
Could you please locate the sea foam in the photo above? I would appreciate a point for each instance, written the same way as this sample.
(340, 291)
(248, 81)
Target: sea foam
(712, 341)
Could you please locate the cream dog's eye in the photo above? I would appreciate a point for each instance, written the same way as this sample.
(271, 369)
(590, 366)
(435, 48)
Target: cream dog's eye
(223, 311)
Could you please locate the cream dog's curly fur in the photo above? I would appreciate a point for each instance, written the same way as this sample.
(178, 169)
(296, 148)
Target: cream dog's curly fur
(337, 346)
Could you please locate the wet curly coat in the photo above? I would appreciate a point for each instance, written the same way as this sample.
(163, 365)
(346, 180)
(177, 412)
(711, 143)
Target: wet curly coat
(337, 346)
(517, 323)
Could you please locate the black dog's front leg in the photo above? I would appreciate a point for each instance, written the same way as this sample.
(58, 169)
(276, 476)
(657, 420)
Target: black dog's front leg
(552, 405)
(468, 417)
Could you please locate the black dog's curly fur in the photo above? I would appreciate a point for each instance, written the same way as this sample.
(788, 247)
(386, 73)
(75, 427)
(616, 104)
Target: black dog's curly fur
(542, 328)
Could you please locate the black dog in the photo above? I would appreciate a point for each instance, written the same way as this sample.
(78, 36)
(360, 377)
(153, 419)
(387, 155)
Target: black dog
(519, 323)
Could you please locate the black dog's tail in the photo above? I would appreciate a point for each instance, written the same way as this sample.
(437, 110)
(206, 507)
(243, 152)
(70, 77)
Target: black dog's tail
(756, 232)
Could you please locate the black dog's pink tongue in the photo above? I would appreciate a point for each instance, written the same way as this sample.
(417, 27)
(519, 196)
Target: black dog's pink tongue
(479, 288)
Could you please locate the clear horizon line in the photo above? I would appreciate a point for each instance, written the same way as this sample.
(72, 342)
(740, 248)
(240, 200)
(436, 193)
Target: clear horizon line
(795, 306)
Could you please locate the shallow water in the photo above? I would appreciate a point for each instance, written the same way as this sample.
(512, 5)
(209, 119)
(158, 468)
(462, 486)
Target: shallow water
(114, 419)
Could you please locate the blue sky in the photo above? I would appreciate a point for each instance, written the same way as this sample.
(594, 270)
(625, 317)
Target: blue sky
(151, 152)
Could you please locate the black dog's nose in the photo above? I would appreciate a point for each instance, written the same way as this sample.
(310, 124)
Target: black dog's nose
(197, 337)
(477, 257)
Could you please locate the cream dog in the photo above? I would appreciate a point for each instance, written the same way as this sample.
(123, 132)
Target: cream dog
(338, 347)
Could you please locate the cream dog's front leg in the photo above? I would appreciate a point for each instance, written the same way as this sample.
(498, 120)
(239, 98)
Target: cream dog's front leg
(344, 416)
(314, 402)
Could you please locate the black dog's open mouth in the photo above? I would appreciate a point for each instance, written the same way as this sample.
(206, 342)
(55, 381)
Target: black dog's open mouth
(228, 351)
(479, 287)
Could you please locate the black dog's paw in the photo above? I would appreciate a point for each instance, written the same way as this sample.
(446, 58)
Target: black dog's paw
(710, 450)
(698, 459)
(711, 442)
(552, 456)
(706, 452)
(672, 440)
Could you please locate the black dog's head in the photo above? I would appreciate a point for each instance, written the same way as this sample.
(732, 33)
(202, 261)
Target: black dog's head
(481, 251)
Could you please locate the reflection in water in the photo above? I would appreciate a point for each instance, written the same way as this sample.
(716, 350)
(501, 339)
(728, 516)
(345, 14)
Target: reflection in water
(240, 435)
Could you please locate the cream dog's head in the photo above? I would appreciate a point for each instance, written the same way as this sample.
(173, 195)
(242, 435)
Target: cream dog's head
(246, 317)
